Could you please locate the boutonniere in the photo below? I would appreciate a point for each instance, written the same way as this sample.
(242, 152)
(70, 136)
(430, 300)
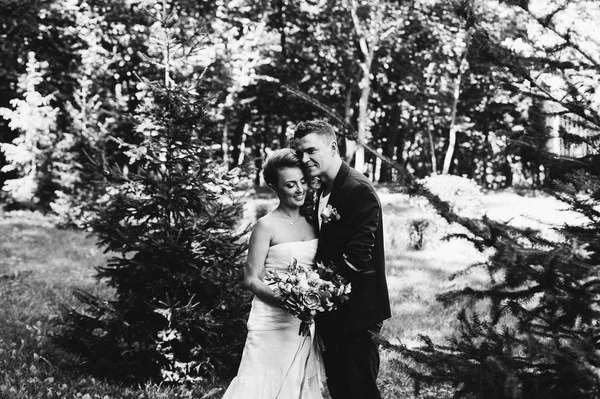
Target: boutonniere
(329, 214)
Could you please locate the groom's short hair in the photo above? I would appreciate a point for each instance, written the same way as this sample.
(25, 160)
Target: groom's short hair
(318, 126)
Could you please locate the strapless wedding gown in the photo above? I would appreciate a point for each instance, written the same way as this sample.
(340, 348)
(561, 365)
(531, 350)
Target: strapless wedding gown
(278, 363)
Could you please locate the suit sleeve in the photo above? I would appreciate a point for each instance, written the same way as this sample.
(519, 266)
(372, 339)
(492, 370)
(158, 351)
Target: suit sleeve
(363, 221)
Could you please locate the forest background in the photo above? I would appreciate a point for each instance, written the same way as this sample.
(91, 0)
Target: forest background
(503, 94)
(419, 85)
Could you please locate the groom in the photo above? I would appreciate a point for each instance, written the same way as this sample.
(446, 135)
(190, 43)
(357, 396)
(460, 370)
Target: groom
(350, 236)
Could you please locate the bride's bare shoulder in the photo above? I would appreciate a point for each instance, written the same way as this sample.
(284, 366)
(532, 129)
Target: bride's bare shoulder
(267, 222)
(263, 231)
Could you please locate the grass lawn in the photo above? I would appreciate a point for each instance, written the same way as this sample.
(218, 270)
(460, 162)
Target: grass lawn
(40, 265)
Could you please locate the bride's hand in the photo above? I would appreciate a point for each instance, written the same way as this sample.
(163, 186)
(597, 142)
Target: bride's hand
(278, 298)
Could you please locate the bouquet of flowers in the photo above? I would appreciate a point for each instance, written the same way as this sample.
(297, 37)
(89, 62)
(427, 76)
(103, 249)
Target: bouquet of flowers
(307, 291)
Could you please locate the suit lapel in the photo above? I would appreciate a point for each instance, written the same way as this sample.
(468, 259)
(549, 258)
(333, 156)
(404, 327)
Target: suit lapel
(337, 184)
(316, 209)
(335, 196)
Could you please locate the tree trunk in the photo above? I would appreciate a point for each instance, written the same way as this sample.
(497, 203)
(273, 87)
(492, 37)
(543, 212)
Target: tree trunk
(385, 175)
(258, 155)
(260, 144)
(462, 68)
(363, 105)
(367, 45)
(432, 151)
(486, 134)
(507, 171)
(348, 147)
(242, 154)
(237, 141)
(400, 144)
(452, 130)
(282, 34)
(225, 144)
(282, 137)
(284, 78)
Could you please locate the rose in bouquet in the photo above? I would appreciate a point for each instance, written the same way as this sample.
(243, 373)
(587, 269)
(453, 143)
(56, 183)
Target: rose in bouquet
(307, 291)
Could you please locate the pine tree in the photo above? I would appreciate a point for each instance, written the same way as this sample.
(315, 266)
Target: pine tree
(540, 335)
(29, 155)
(177, 272)
(172, 223)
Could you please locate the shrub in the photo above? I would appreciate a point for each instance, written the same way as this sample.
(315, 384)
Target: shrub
(261, 210)
(463, 195)
(420, 231)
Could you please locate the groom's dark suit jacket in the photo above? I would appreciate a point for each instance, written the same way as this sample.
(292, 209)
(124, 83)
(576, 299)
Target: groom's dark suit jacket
(356, 237)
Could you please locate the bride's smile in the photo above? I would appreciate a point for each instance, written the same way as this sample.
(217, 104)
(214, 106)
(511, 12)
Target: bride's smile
(291, 187)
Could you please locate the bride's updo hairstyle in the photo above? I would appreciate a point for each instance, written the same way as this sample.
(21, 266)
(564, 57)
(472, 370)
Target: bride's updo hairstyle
(279, 159)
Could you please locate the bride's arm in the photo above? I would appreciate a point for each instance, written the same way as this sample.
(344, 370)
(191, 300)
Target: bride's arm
(260, 240)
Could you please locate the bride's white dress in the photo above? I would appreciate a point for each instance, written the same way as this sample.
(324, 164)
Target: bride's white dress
(278, 363)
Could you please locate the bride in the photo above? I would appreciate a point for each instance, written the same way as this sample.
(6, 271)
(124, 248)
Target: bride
(277, 362)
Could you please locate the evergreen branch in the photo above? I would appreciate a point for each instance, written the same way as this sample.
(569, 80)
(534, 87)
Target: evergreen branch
(571, 138)
(350, 132)
(511, 60)
(452, 296)
(487, 229)
(589, 210)
(465, 271)
(572, 107)
(468, 237)
(555, 334)
(560, 65)
(547, 154)
(548, 24)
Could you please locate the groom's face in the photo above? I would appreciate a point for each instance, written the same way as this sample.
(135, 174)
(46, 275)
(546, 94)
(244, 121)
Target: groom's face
(316, 153)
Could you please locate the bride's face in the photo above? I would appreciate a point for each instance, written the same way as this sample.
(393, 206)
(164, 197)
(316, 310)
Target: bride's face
(291, 186)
